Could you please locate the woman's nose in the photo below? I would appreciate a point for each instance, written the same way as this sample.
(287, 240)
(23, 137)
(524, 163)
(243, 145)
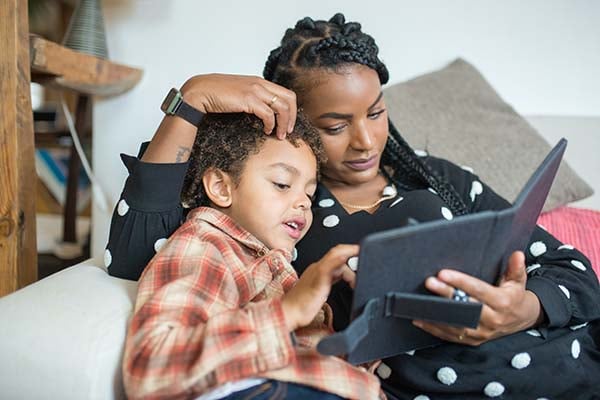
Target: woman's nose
(361, 138)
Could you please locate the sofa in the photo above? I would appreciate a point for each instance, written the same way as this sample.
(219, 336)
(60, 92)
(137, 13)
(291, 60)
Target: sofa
(63, 336)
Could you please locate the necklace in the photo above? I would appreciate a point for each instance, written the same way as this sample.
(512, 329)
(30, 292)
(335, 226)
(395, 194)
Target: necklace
(389, 192)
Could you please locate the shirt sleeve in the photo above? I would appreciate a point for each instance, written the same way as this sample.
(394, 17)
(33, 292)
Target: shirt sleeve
(149, 210)
(560, 276)
(191, 333)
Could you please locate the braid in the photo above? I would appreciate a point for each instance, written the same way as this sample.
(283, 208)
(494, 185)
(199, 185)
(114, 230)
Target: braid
(332, 45)
(321, 44)
(411, 172)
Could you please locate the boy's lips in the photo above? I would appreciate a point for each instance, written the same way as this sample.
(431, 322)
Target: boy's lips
(294, 227)
(362, 164)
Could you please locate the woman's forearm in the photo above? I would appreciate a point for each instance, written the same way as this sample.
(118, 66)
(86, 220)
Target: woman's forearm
(172, 142)
(218, 93)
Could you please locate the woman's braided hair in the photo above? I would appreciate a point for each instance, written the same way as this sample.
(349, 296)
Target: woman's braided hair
(336, 44)
(225, 141)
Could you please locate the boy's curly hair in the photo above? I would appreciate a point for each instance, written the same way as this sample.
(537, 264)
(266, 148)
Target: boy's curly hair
(225, 141)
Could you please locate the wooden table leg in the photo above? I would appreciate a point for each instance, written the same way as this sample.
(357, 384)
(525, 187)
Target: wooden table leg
(82, 126)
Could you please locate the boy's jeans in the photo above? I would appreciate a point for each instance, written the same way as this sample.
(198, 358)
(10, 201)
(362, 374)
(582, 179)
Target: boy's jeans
(276, 390)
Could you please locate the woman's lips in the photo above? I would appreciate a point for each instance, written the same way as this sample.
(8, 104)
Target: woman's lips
(362, 164)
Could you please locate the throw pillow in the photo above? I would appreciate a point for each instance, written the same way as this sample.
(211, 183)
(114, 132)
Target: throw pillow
(454, 113)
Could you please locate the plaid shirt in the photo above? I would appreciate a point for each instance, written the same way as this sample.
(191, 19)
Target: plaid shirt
(208, 311)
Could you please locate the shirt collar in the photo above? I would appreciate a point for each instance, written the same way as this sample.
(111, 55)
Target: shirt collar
(227, 225)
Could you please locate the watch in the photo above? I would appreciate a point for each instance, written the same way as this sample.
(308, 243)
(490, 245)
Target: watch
(173, 104)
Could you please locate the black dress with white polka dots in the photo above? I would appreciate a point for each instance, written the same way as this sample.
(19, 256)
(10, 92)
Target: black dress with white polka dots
(558, 360)
(519, 366)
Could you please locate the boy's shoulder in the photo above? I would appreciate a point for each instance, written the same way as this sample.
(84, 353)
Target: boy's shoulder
(196, 242)
(200, 229)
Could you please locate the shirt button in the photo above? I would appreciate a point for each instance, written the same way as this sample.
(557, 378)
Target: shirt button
(261, 253)
(275, 261)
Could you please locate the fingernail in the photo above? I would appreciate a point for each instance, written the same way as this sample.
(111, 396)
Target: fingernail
(446, 274)
(417, 324)
(435, 282)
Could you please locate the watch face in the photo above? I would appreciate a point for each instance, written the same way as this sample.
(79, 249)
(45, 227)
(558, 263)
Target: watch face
(172, 102)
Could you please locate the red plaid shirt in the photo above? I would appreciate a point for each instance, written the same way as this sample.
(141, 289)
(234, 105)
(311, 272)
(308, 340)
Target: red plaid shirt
(208, 311)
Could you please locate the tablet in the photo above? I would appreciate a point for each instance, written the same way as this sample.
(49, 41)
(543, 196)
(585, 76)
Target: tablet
(394, 264)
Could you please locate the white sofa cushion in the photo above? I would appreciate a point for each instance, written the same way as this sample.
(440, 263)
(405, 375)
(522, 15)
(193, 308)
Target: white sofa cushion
(63, 337)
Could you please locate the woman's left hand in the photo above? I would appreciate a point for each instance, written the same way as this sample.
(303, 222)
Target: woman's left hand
(507, 308)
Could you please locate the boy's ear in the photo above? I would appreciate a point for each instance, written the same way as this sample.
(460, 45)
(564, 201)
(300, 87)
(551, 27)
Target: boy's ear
(218, 186)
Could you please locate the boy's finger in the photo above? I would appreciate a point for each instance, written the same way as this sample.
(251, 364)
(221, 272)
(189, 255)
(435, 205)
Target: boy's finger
(349, 276)
(339, 255)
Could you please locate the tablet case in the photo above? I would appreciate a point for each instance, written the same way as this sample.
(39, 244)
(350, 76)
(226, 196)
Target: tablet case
(394, 264)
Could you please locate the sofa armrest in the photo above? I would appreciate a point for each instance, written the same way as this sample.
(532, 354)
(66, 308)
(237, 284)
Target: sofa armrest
(63, 336)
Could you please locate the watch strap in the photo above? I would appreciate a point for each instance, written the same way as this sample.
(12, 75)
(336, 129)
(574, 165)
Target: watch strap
(174, 105)
(189, 113)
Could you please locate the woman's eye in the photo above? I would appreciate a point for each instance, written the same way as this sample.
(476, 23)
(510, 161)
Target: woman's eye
(377, 114)
(281, 186)
(335, 129)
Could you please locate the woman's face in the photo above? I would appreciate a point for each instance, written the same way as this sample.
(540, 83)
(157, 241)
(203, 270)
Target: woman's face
(348, 109)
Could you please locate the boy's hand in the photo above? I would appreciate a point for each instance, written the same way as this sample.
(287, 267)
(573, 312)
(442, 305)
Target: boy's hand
(302, 303)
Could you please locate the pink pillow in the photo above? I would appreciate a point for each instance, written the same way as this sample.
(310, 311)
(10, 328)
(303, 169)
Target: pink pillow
(578, 227)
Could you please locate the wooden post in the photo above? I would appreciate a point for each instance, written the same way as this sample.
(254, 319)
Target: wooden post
(18, 253)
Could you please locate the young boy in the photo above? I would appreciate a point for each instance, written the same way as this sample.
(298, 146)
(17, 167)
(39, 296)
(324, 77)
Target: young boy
(220, 312)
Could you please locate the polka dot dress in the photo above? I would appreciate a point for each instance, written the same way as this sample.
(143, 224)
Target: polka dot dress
(499, 369)
(551, 357)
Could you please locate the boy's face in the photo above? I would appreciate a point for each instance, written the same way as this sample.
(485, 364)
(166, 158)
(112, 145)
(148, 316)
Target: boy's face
(273, 198)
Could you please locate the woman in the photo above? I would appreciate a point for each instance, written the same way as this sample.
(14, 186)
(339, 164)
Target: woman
(539, 315)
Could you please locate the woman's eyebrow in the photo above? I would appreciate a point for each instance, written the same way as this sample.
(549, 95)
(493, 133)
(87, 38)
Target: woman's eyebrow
(348, 116)
(335, 116)
(376, 100)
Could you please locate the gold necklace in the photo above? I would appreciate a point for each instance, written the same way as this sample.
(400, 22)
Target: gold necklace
(391, 193)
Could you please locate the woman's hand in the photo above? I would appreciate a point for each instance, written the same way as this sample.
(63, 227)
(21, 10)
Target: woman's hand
(507, 308)
(220, 93)
(302, 303)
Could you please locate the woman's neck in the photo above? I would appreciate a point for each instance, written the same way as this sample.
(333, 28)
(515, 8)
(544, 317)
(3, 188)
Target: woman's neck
(359, 194)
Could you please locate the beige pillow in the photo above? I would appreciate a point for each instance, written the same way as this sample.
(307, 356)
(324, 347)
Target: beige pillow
(454, 113)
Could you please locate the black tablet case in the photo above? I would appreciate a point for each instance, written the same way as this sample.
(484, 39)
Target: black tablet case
(394, 264)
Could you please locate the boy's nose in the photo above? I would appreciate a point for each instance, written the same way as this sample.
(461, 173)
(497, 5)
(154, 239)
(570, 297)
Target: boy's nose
(303, 203)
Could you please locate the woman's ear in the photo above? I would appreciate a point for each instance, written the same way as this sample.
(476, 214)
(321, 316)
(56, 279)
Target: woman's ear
(218, 186)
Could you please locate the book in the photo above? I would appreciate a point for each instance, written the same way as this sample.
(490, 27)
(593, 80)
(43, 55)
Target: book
(394, 264)
(52, 166)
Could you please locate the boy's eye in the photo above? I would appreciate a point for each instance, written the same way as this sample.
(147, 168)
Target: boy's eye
(281, 186)
(376, 114)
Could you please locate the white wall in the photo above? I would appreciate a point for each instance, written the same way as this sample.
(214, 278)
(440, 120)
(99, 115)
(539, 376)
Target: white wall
(542, 56)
